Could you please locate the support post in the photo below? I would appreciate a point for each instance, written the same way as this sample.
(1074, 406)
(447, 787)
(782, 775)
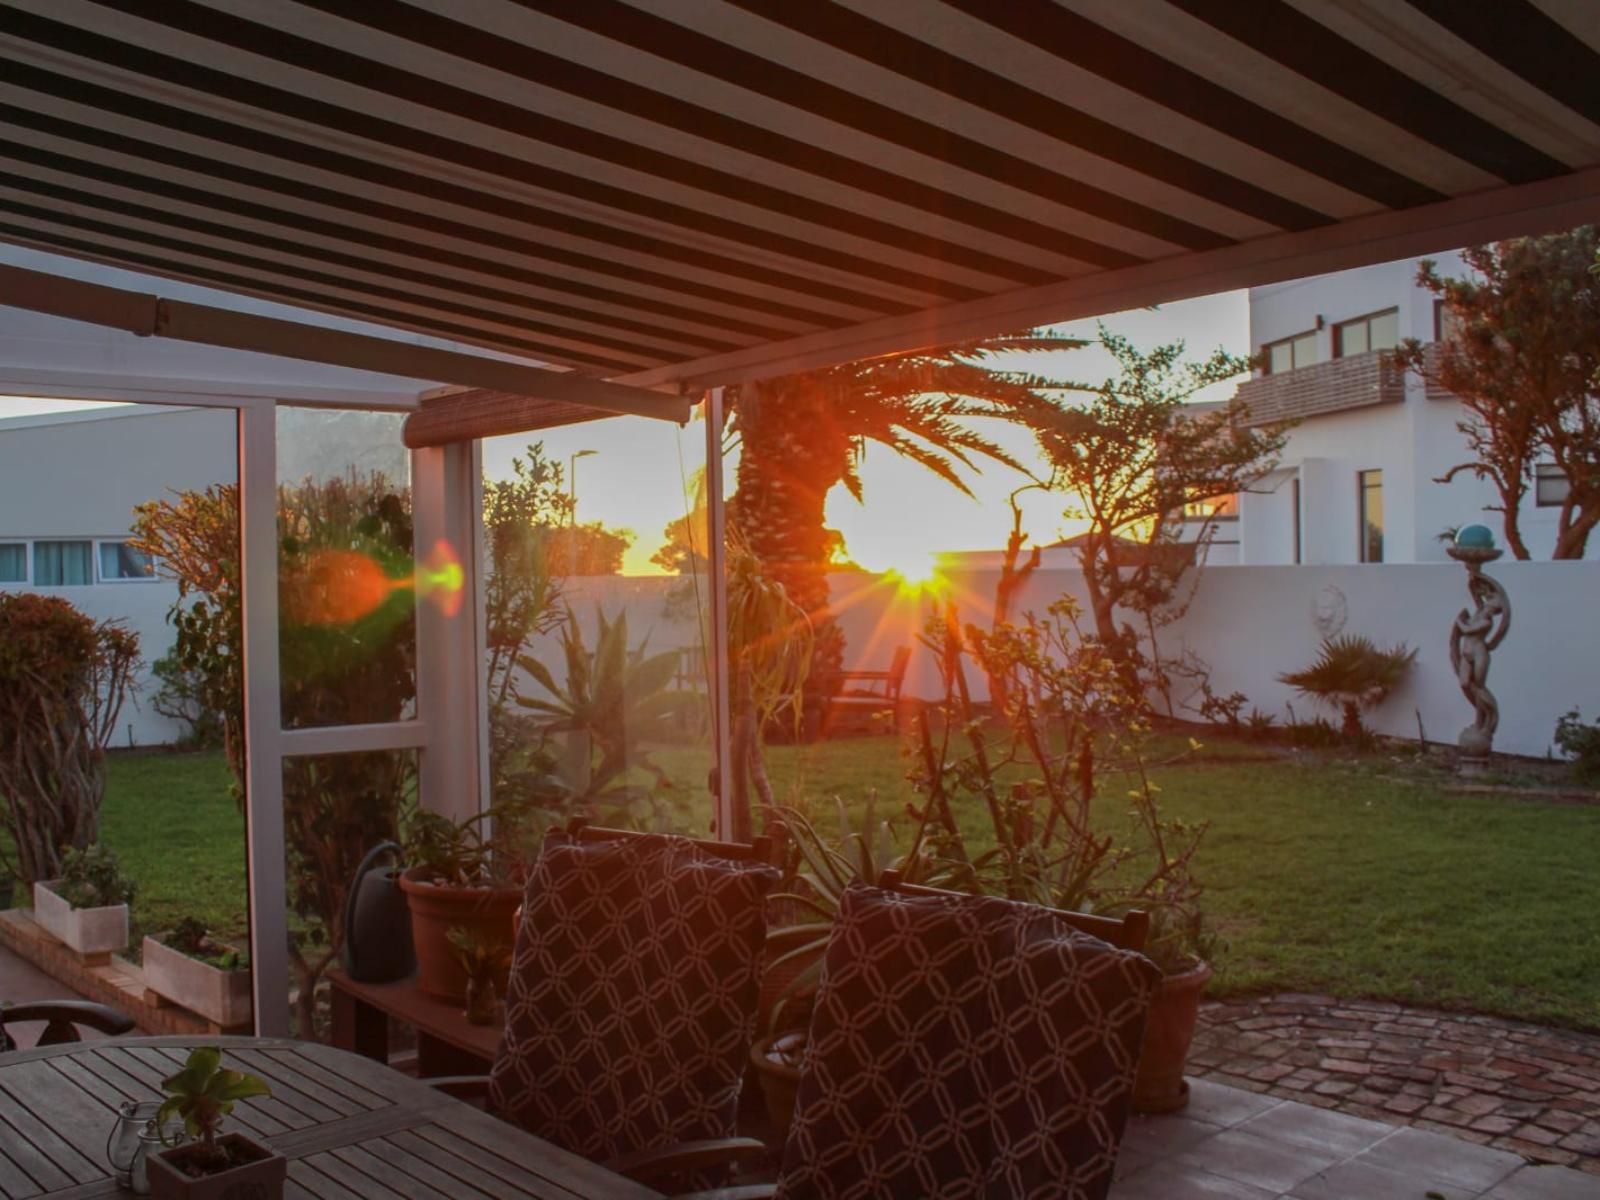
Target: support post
(717, 642)
(447, 486)
(265, 858)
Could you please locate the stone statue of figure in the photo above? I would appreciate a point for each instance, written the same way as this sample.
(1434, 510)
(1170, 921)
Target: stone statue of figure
(1472, 637)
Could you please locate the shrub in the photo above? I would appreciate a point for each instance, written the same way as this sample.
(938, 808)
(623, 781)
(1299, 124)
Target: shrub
(63, 678)
(93, 878)
(1351, 673)
(1580, 743)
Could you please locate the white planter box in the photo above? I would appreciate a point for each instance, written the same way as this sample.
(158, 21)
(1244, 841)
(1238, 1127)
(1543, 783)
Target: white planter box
(86, 930)
(217, 995)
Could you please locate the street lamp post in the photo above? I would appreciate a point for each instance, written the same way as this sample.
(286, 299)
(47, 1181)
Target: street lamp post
(572, 512)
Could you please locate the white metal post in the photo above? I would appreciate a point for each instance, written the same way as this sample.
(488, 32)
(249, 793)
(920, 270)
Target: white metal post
(450, 689)
(716, 567)
(265, 858)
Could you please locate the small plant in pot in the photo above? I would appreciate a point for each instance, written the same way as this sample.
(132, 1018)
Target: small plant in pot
(87, 908)
(196, 971)
(458, 878)
(213, 1167)
(484, 963)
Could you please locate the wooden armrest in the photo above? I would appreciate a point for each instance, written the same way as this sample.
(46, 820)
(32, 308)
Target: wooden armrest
(62, 1015)
(644, 1165)
(462, 1087)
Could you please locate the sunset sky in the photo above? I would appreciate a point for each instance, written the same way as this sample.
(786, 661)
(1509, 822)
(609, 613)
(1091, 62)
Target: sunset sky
(637, 477)
(641, 474)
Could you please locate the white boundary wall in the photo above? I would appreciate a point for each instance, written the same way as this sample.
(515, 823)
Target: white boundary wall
(1249, 624)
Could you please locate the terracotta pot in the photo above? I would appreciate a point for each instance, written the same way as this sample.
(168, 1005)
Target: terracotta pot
(435, 910)
(259, 1180)
(1160, 1086)
(780, 1082)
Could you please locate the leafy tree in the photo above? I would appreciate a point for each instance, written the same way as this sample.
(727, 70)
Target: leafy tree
(63, 678)
(587, 549)
(1352, 673)
(1132, 457)
(802, 435)
(347, 656)
(1523, 356)
(522, 593)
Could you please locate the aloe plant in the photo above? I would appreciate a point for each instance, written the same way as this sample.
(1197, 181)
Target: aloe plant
(614, 699)
(819, 871)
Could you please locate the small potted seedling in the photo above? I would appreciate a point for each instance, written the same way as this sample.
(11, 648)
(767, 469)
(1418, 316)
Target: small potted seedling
(196, 971)
(484, 961)
(87, 908)
(213, 1167)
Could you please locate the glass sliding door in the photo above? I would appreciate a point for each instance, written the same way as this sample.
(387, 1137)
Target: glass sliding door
(596, 615)
(347, 596)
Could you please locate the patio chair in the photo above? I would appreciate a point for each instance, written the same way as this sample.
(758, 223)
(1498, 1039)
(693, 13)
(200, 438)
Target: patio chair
(632, 1002)
(868, 692)
(62, 1018)
(963, 1046)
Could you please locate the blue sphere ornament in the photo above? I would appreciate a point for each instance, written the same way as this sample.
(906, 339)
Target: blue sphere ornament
(1475, 537)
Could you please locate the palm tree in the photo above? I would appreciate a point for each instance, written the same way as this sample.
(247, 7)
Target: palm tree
(802, 435)
(1353, 673)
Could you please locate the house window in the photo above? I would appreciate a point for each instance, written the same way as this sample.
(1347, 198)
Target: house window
(1290, 353)
(1295, 499)
(1446, 323)
(119, 561)
(13, 562)
(1217, 508)
(1377, 331)
(1371, 484)
(1550, 485)
(63, 564)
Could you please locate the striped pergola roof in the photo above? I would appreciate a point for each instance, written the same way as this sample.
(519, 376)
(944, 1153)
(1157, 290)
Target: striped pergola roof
(678, 193)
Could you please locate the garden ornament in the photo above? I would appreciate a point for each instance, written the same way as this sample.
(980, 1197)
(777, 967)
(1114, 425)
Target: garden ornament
(1474, 635)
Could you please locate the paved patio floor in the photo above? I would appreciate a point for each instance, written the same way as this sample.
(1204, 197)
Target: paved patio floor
(1231, 1144)
(1236, 1145)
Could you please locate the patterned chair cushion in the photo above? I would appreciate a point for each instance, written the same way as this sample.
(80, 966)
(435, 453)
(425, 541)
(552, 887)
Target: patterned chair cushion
(965, 1047)
(633, 994)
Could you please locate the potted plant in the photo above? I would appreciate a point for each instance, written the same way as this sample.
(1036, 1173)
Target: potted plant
(485, 964)
(212, 1167)
(87, 908)
(1180, 946)
(195, 971)
(459, 879)
(816, 874)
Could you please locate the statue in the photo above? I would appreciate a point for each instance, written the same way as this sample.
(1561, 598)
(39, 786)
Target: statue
(1473, 635)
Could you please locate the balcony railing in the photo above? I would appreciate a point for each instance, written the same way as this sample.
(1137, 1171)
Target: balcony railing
(1359, 381)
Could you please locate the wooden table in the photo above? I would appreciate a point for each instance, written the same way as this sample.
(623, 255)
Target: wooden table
(446, 1043)
(350, 1128)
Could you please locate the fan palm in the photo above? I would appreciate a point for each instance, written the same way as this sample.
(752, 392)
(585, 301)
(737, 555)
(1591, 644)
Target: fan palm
(1353, 673)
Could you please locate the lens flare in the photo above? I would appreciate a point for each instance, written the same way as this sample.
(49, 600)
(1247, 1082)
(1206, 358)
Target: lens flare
(335, 587)
(340, 587)
(441, 579)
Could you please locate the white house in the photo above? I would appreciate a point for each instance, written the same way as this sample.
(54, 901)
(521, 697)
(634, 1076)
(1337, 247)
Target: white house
(1357, 480)
(69, 482)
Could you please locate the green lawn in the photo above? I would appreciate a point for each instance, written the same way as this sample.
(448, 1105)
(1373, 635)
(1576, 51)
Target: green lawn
(1361, 878)
(178, 833)
(1354, 877)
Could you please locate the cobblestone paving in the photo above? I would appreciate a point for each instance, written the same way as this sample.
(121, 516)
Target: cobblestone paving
(1523, 1088)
